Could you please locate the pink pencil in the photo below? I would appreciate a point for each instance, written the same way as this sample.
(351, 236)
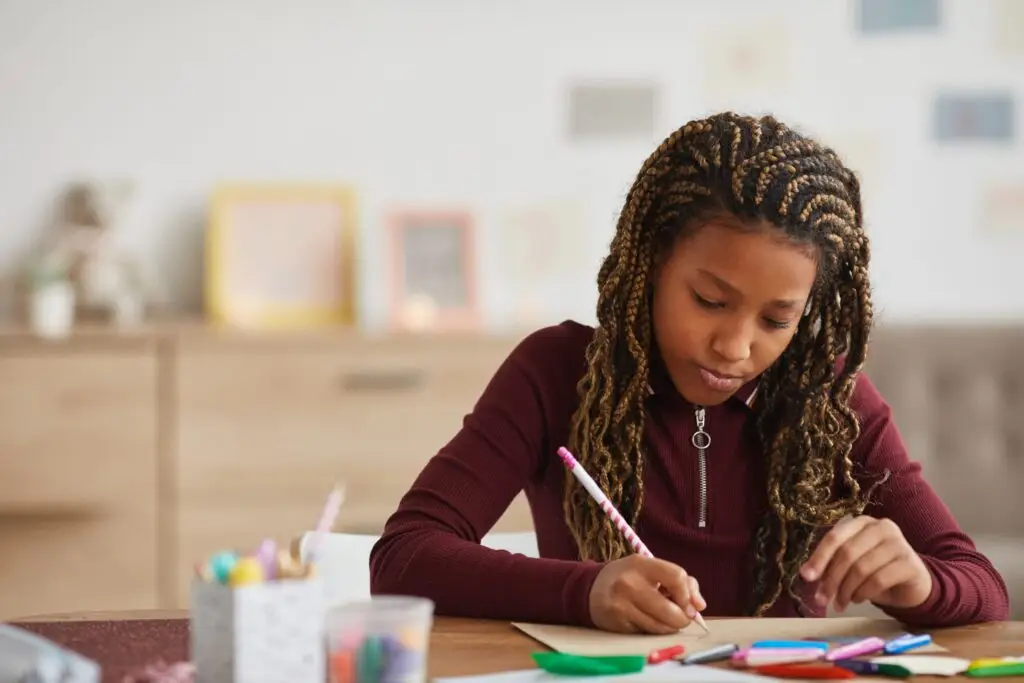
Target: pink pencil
(617, 519)
(326, 521)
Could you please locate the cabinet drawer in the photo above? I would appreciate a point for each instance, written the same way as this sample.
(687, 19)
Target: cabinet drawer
(76, 430)
(74, 564)
(78, 504)
(264, 433)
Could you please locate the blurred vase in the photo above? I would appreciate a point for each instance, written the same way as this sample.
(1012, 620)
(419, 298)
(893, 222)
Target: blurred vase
(52, 309)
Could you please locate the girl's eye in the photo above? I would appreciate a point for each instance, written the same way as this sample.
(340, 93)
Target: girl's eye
(705, 303)
(776, 324)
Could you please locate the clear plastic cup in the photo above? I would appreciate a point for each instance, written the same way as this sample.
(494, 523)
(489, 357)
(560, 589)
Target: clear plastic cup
(381, 640)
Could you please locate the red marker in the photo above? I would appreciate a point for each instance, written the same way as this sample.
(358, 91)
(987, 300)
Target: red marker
(805, 671)
(665, 654)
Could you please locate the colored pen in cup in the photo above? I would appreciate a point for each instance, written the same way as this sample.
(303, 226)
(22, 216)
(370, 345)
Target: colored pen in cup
(620, 523)
(326, 521)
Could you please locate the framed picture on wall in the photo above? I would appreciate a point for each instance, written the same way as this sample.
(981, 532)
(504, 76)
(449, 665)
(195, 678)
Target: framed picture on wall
(433, 270)
(281, 256)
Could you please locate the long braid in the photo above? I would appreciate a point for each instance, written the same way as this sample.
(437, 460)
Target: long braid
(756, 169)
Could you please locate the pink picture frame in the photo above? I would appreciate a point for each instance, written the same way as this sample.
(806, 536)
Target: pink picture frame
(433, 270)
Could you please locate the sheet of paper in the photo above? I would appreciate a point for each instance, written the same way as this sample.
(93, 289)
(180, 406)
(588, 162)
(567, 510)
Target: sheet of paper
(591, 642)
(669, 672)
(927, 665)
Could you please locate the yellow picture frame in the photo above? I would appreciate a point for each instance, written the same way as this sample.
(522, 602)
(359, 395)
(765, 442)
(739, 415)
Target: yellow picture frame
(323, 220)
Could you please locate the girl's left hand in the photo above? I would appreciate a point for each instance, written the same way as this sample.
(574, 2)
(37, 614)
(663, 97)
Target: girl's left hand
(867, 559)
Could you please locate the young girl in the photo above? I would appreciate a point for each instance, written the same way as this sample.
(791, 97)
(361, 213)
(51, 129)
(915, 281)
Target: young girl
(720, 406)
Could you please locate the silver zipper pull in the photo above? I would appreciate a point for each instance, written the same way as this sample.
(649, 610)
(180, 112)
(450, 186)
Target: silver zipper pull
(701, 440)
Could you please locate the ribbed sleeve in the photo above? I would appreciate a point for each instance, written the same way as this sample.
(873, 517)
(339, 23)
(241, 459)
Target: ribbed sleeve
(966, 588)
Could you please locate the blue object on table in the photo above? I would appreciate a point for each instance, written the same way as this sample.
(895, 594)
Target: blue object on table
(906, 642)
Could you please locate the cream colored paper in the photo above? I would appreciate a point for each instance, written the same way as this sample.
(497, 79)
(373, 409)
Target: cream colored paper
(925, 665)
(743, 632)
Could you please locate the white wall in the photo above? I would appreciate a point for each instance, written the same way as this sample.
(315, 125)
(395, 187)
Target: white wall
(459, 103)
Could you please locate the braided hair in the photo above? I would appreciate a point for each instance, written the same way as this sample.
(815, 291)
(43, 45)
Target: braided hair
(758, 170)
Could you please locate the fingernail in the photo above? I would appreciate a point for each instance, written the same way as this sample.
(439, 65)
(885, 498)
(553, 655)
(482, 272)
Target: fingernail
(690, 611)
(809, 573)
(820, 598)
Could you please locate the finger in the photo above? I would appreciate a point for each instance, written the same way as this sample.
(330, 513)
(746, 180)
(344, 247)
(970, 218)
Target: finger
(673, 580)
(861, 576)
(833, 540)
(843, 560)
(897, 572)
(643, 613)
(695, 597)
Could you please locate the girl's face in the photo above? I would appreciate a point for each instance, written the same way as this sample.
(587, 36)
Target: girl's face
(727, 301)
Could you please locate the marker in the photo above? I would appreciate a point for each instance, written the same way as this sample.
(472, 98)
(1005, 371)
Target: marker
(1006, 666)
(799, 644)
(866, 646)
(859, 666)
(755, 657)
(571, 464)
(805, 671)
(906, 642)
(665, 654)
(712, 654)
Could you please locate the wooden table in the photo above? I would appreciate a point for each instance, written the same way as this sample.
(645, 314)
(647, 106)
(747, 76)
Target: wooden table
(473, 646)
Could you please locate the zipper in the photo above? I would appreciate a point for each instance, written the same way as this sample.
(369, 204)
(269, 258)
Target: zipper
(701, 440)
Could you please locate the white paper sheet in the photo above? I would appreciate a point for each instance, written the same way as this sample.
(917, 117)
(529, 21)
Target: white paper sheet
(669, 672)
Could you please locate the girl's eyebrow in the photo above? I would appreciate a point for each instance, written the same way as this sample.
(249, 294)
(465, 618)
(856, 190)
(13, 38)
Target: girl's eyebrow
(727, 286)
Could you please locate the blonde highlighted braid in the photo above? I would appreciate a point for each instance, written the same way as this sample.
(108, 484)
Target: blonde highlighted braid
(759, 170)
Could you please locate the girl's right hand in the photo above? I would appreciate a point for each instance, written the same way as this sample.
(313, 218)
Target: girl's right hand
(644, 595)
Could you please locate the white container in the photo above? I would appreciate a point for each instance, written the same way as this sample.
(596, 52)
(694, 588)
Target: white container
(52, 310)
(381, 640)
(270, 632)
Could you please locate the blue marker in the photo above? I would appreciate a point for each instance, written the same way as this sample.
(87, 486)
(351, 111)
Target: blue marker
(791, 644)
(906, 642)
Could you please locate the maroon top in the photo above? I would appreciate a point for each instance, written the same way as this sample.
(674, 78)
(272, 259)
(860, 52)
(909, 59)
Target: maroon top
(508, 443)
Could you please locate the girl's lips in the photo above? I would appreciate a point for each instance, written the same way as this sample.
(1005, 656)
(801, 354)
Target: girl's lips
(719, 382)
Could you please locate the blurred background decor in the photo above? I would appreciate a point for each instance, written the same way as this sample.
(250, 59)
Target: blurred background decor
(281, 255)
(433, 270)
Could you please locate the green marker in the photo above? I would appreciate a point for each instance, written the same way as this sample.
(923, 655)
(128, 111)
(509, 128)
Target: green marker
(578, 665)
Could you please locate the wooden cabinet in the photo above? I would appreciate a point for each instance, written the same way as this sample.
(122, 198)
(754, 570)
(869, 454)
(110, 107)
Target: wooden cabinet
(266, 426)
(127, 458)
(78, 490)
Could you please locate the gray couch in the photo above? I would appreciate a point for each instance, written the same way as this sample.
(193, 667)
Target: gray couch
(957, 394)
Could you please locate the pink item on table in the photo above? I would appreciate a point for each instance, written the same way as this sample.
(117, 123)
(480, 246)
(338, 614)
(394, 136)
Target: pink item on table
(762, 656)
(867, 646)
